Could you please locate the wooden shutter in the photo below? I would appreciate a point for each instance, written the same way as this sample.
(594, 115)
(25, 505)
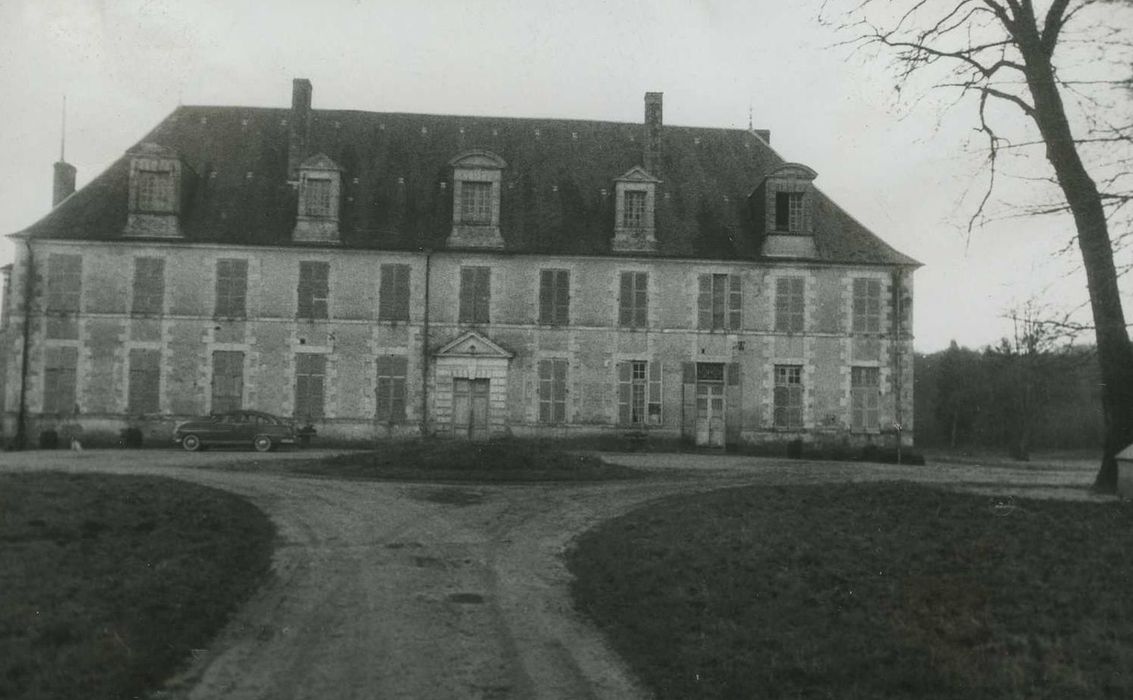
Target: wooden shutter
(733, 394)
(625, 300)
(655, 405)
(625, 392)
(562, 298)
(735, 302)
(688, 399)
(704, 303)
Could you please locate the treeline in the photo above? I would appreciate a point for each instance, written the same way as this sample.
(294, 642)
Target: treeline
(1008, 397)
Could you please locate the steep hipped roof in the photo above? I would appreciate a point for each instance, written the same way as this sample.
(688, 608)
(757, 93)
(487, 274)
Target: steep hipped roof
(557, 196)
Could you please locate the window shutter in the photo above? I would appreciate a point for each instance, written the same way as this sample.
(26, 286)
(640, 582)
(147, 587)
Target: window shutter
(559, 389)
(655, 399)
(732, 373)
(624, 392)
(467, 289)
(546, 290)
(735, 302)
(625, 300)
(562, 298)
(704, 303)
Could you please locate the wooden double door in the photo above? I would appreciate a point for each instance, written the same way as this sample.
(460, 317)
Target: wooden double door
(470, 408)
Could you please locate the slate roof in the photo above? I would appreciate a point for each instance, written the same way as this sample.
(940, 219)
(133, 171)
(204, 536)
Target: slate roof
(557, 197)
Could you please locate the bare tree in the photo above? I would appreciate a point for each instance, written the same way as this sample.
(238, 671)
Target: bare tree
(1009, 52)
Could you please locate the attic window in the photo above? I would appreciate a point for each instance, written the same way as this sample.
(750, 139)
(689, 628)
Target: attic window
(635, 195)
(155, 191)
(317, 197)
(634, 210)
(789, 211)
(476, 203)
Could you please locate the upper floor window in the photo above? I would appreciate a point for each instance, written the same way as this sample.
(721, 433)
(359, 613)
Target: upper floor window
(790, 308)
(720, 302)
(475, 294)
(867, 306)
(64, 282)
(231, 288)
(554, 297)
(476, 203)
(789, 212)
(149, 286)
(314, 289)
(633, 301)
(393, 297)
(155, 191)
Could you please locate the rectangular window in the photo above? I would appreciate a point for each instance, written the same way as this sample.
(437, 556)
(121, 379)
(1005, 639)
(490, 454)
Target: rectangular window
(720, 302)
(231, 288)
(316, 197)
(393, 297)
(865, 398)
(314, 289)
(310, 378)
(391, 388)
(59, 380)
(633, 303)
(634, 209)
(639, 393)
(475, 294)
(867, 306)
(64, 282)
(789, 212)
(475, 203)
(554, 297)
(227, 381)
(155, 191)
(552, 391)
(149, 286)
(788, 396)
(145, 381)
(789, 304)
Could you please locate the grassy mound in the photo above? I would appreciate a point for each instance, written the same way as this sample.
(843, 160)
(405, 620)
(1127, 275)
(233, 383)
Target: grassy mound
(107, 583)
(451, 460)
(866, 591)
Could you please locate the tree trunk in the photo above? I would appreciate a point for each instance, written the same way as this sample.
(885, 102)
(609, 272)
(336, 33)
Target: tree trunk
(1115, 354)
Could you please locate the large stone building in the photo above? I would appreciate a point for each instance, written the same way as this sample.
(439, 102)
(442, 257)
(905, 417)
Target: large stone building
(382, 274)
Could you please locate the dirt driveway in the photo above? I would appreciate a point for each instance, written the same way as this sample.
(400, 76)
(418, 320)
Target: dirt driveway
(391, 590)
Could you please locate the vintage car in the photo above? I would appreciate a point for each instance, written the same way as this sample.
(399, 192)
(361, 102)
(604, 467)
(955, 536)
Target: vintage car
(262, 431)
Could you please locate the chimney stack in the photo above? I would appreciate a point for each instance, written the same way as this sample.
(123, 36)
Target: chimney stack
(300, 125)
(653, 133)
(64, 184)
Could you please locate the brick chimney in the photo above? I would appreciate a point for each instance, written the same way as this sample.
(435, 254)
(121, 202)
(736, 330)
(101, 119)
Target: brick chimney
(64, 182)
(300, 125)
(652, 154)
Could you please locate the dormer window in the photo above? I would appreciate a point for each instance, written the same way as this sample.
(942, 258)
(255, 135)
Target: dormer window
(477, 179)
(155, 191)
(476, 203)
(635, 203)
(158, 179)
(789, 212)
(783, 209)
(320, 186)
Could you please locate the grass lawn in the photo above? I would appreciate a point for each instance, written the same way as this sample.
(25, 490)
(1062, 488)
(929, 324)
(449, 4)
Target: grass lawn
(495, 461)
(865, 591)
(107, 583)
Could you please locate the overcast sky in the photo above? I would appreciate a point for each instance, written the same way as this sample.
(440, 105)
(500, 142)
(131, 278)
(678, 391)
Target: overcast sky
(904, 172)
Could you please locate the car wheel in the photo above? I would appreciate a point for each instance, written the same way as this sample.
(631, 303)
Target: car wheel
(191, 443)
(262, 443)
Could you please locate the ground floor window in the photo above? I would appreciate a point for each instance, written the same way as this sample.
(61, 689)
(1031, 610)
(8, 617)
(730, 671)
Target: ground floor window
(552, 391)
(227, 381)
(639, 393)
(865, 398)
(145, 381)
(59, 380)
(788, 396)
(310, 379)
(391, 388)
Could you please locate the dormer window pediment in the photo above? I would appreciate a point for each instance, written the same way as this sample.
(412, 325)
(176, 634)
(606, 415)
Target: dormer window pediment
(156, 192)
(477, 178)
(634, 211)
(320, 196)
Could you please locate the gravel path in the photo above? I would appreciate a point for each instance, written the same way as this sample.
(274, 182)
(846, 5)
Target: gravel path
(393, 590)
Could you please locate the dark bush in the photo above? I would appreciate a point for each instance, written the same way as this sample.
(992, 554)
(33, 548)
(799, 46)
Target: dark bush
(48, 440)
(795, 449)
